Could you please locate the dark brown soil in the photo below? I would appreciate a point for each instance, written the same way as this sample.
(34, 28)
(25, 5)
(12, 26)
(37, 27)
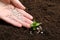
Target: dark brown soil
(45, 11)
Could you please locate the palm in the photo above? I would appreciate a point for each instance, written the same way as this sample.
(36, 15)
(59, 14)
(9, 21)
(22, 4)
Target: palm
(10, 16)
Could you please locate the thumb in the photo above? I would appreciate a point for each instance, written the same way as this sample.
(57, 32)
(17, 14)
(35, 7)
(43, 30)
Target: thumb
(5, 1)
(18, 4)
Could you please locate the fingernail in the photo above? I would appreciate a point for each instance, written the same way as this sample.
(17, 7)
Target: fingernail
(23, 7)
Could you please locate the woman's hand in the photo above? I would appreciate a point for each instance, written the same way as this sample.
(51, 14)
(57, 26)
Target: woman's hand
(15, 3)
(15, 16)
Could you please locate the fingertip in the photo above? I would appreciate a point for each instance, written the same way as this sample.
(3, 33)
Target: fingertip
(28, 26)
(31, 17)
(23, 8)
(21, 5)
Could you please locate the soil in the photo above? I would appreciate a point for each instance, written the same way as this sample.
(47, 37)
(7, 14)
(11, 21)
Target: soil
(45, 11)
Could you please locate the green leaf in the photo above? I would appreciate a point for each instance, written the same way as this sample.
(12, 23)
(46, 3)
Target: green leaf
(37, 24)
(34, 25)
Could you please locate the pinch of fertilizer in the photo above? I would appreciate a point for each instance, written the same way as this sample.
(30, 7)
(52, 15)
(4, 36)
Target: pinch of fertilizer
(42, 32)
(38, 31)
(40, 27)
(17, 14)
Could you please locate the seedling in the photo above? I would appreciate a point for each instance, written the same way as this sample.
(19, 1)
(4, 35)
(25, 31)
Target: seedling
(37, 29)
(35, 26)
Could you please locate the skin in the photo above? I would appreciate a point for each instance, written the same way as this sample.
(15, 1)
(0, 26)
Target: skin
(7, 15)
(15, 3)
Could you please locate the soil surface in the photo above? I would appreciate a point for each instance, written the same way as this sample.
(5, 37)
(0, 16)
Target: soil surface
(45, 11)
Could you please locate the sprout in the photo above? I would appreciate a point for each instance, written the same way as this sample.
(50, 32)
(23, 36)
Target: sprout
(34, 25)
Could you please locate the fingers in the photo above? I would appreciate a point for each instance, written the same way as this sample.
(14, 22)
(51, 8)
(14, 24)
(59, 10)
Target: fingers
(18, 4)
(25, 13)
(12, 21)
(28, 20)
(24, 21)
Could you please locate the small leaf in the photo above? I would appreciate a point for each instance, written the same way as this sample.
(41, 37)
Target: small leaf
(34, 25)
(37, 24)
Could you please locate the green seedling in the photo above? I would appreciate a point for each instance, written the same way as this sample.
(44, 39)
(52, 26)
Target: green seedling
(34, 25)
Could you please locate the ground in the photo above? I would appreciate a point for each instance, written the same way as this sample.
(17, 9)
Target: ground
(45, 11)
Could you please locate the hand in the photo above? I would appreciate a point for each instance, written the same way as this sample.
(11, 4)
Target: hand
(15, 3)
(15, 16)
